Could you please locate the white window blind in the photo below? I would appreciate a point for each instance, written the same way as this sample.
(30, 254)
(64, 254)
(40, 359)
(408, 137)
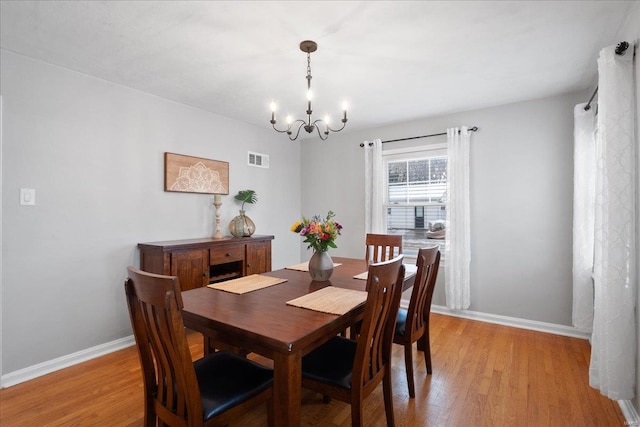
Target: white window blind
(415, 199)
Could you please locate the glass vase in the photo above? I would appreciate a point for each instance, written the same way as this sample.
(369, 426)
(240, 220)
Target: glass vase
(320, 266)
(242, 226)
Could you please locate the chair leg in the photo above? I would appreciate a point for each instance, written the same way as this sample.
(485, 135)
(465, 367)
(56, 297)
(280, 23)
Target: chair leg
(425, 346)
(408, 361)
(356, 413)
(150, 416)
(270, 413)
(326, 398)
(388, 397)
(208, 348)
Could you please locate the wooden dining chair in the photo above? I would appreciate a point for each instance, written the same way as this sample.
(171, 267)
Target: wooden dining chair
(382, 247)
(412, 324)
(351, 370)
(179, 392)
(378, 248)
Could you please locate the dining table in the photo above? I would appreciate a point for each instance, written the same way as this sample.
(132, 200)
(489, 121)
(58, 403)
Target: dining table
(262, 322)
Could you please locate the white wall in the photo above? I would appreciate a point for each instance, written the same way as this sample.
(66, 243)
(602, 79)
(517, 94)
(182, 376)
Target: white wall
(93, 151)
(521, 198)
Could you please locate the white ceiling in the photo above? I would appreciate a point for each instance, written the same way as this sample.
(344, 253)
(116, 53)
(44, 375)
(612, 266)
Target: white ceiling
(392, 61)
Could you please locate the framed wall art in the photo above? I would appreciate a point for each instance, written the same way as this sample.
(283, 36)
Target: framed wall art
(187, 174)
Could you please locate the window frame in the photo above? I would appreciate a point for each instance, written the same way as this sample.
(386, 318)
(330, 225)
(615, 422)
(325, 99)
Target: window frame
(404, 155)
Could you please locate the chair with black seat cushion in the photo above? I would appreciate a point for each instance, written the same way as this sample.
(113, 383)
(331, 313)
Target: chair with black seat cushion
(413, 324)
(179, 392)
(382, 247)
(350, 370)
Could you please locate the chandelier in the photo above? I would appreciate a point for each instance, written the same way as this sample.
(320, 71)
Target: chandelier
(319, 125)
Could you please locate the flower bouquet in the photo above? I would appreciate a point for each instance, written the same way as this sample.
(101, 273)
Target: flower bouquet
(319, 233)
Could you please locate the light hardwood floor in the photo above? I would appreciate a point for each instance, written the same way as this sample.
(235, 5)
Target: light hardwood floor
(483, 375)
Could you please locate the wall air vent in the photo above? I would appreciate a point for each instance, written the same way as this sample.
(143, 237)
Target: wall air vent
(258, 160)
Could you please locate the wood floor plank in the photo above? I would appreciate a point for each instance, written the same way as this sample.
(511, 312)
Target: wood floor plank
(483, 375)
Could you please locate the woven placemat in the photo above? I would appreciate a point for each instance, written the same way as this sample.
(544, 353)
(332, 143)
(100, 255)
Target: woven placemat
(247, 284)
(331, 300)
(304, 266)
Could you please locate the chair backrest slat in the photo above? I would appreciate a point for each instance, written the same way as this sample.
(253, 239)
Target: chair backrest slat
(384, 287)
(382, 247)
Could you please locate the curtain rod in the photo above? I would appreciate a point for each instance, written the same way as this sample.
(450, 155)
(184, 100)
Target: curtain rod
(472, 129)
(621, 48)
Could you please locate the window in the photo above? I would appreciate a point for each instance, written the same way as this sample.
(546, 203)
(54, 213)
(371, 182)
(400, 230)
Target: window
(416, 199)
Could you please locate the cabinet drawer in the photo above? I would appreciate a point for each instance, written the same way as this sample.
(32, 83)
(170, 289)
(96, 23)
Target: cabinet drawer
(225, 254)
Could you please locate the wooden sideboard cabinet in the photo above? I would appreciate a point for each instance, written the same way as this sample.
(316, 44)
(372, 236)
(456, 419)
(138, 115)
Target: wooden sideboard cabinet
(199, 262)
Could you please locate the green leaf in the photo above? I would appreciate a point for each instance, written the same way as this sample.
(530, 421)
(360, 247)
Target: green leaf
(247, 196)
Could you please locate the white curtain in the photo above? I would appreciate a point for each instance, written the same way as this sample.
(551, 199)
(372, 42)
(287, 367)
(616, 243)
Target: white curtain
(613, 365)
(373, 187)
(458, 240)
(584, 199)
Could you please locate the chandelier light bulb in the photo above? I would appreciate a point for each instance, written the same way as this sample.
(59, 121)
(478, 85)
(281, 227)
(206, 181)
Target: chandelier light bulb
(273, 106)
(289, 120)
(327, 119)
(344, 105)
(309, 95)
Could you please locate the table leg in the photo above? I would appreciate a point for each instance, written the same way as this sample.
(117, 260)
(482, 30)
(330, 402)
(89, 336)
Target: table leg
(287, 389)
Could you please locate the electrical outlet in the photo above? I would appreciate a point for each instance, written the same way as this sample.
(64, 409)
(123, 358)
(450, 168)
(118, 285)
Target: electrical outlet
(27, 197)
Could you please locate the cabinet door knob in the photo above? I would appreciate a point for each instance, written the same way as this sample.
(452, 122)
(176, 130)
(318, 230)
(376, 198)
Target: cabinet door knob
(249, 265)
(205, 274)
(228, 253)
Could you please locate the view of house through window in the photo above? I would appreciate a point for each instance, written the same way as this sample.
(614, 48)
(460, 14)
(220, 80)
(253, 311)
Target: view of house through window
(416, 199)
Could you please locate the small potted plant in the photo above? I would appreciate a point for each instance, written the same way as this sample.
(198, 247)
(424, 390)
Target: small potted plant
(242, 225)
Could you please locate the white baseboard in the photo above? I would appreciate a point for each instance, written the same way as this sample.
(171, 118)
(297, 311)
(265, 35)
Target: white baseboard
(630, 414)
(44, 368)
(515, 322)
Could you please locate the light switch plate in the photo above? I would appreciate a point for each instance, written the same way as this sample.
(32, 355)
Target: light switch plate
(27, 196)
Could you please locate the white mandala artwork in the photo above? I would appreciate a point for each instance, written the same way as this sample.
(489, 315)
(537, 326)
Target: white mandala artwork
(199, 179)
(188, 174)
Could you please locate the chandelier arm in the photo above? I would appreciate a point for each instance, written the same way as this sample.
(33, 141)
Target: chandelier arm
(326, 133)
(329, 128)
(300, 123)
(344, 123)
(273, 124)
